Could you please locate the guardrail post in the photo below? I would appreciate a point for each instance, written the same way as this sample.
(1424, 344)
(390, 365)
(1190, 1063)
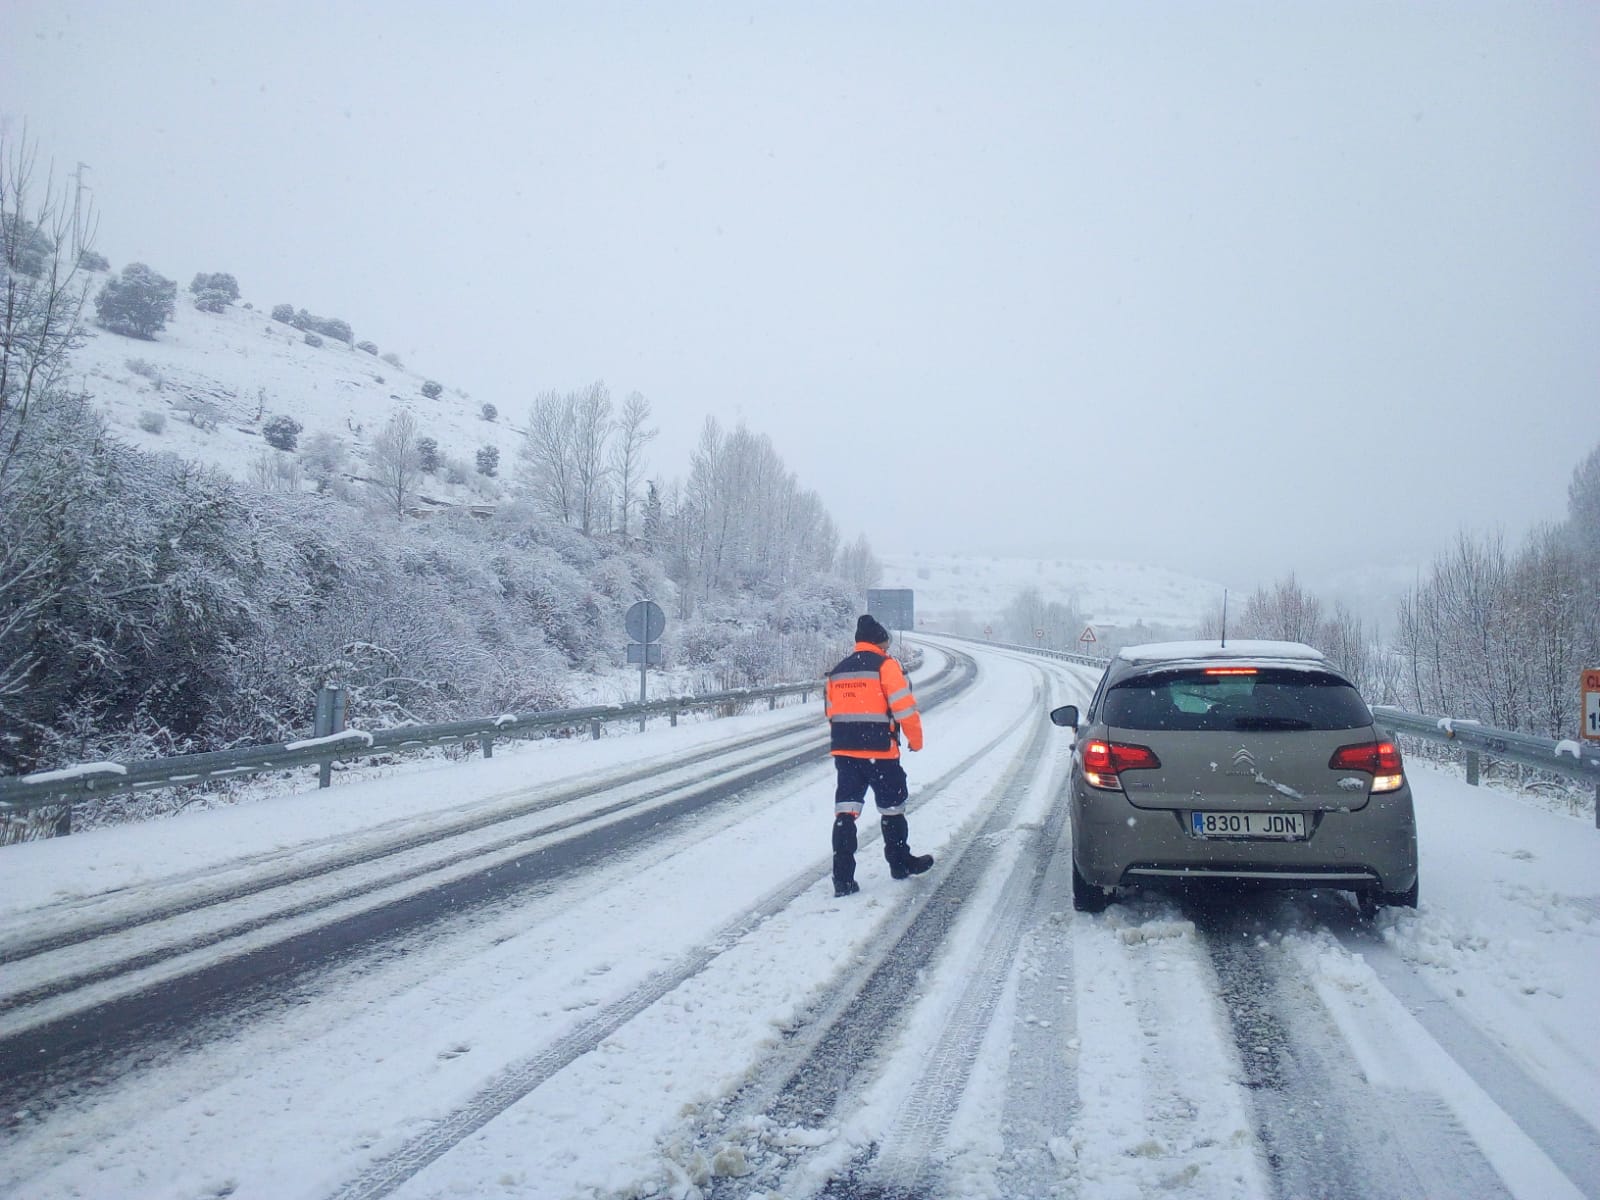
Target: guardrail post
(772, 703)
(486, 742)
(331, 704)
(594, 729)
(1472, 767)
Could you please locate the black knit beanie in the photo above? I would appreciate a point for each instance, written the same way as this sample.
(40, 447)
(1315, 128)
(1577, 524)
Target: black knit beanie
(868, 630)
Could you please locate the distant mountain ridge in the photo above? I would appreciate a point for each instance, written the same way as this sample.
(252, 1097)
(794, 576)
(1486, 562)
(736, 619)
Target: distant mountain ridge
(1110, 593)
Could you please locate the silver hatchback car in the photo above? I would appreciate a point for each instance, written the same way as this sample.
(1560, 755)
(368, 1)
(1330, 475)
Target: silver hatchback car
(1253, 762)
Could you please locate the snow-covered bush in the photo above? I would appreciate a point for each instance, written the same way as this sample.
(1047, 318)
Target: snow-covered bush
(28, 249)
(432, 390)
(152, 422)
(137, 303)
(284, 313)
(369, 347)
(326, 326)
(144, 367)
(282, 432)
(428, 454)
(489, 412)
(313, 341)
(214, 292)
(488, 460)
(271, 472)
(201, 413)
(93, 260)
(393, 359)
(323, 458)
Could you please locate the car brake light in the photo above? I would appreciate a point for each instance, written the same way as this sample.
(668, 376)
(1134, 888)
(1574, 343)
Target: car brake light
(1380, 759)
(1103, 760)
(1230, 671)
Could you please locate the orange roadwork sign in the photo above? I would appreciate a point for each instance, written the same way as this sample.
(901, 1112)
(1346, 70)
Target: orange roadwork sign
(1590, 714)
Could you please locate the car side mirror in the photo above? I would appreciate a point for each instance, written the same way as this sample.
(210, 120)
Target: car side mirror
(1066, 716)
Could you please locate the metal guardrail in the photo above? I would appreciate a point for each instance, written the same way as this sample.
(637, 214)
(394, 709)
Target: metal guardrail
(1083, 660)
(23, 793)
(1567, 756)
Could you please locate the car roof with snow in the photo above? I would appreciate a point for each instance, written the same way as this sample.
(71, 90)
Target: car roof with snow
(1132, 660)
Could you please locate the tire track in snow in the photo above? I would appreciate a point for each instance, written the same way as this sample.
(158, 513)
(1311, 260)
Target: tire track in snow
(909, 1156)
(1570, 1143)
(829, 1059)
(1041, 1102)
(1324, 1131)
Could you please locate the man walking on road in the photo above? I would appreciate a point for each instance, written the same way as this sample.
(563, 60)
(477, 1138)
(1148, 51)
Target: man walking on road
(868, 703)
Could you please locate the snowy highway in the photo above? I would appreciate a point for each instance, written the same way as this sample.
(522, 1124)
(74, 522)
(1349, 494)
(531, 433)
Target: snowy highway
(617, 969)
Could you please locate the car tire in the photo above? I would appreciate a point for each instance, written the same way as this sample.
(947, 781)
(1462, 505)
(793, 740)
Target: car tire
(1370, 900)
(1405, 899)
(1085, 896)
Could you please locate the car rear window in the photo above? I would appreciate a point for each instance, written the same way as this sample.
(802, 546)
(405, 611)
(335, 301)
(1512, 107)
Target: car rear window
(1269, 699)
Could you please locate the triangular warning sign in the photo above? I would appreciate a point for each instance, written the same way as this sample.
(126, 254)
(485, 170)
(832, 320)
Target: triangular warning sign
(1087, 635)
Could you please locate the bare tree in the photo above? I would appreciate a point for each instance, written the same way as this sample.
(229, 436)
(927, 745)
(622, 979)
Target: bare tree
(1287, 613)
(42, 293)
(858, 566)
(591, 433)
(397, 460)
(627, 453)
(41, 306)
(548, 469)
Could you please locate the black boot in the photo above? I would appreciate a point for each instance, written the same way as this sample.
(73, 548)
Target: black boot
(897, 851)
(844, 856)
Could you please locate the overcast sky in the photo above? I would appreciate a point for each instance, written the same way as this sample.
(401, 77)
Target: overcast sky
(1236, 289)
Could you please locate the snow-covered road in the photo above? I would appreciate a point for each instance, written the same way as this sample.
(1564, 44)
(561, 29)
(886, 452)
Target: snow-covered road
(616, 969)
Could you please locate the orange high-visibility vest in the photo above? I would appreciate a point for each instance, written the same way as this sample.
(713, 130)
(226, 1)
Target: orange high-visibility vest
(868, 701)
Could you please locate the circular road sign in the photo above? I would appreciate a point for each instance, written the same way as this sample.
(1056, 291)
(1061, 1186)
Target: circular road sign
(645, 621)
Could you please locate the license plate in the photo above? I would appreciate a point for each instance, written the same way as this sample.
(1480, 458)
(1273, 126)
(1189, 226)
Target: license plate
(1248, 825)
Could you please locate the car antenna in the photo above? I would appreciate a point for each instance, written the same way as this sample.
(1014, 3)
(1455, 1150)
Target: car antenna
(1224, 618)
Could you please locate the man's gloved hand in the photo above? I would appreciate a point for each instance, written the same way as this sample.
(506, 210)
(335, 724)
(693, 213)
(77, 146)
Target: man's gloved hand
(913, 746)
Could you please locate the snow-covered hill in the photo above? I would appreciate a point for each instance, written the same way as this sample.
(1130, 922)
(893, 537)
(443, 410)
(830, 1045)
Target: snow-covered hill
(252, 368)
(1110, 594)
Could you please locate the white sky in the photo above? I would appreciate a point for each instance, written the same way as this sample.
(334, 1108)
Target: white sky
(1231, 288)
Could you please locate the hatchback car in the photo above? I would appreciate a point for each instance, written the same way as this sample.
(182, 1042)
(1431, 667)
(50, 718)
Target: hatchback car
(1252, 762)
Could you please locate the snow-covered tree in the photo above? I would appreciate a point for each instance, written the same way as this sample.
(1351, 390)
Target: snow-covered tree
(397, 461)
(282, 432)
(214, 292)
(548, 470)
(859, 567)
(633, 434)
(137, 303)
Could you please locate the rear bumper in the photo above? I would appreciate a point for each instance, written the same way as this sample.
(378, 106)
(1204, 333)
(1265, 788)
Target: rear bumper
(1114, 843)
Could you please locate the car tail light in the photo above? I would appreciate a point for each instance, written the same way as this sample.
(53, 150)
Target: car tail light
(1102, 761)
(1379, 759)
(1230, 670)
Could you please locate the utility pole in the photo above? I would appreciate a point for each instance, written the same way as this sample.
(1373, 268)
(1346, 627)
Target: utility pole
(77, 199)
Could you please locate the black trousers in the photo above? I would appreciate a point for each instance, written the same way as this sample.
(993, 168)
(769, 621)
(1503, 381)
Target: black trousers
(885, 776)
(887, 779)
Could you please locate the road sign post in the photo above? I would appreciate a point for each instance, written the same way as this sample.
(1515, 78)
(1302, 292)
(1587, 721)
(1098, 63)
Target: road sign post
(1087, 638)
(644, 622)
